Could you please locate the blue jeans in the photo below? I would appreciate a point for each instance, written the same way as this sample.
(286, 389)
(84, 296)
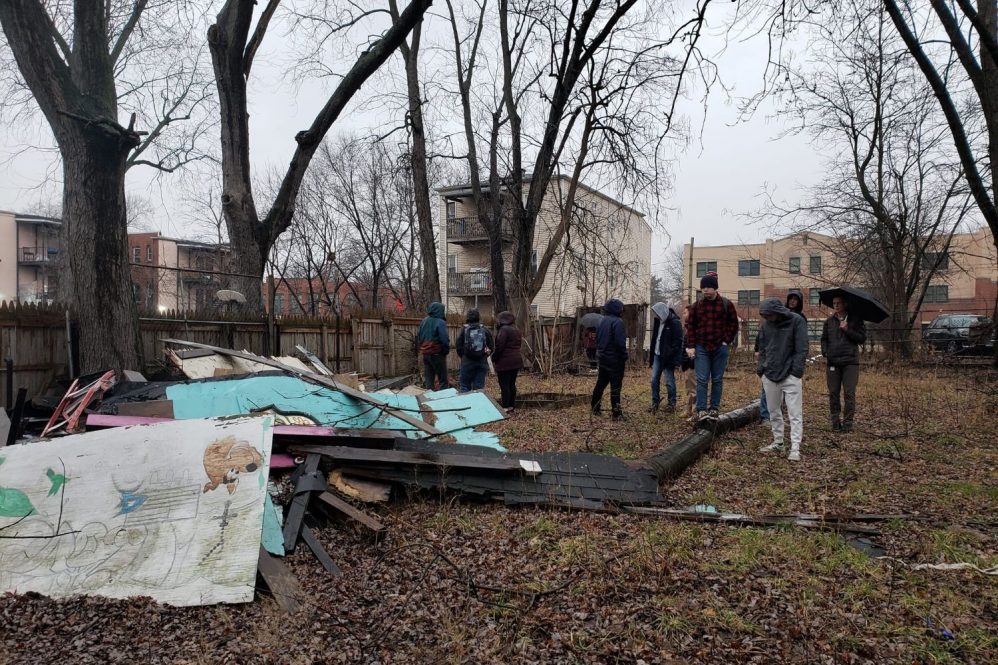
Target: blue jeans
(710, 366)
(763, 409)
(670, 382)
(472, 375)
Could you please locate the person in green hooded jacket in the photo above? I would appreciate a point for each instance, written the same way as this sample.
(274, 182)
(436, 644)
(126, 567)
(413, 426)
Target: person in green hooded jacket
(434, 345)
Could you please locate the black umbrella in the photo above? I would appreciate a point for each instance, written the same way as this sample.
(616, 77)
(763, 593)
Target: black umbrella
(591, 320)
(861, 303)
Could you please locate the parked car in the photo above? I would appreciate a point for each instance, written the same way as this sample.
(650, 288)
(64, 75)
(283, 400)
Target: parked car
(953, 333)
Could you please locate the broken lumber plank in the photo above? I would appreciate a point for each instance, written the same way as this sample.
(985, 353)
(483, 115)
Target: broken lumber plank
(368, 491)
(320, 552)
(312, 358)
(281, 582)
(321, 380)
(748, 520)
(304, 486)
(360, 455)
(343, 508)
(154, 408)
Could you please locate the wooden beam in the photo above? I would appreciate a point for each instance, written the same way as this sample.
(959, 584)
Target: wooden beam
(293, 523)
(408, 457)
(340, 506)
(282, 583)
(320, 552)
(321, 380)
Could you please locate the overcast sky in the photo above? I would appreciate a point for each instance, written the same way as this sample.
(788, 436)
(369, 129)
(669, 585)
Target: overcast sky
(719, 175)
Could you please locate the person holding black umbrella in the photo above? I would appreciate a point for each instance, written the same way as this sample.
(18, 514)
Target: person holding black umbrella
(840, 340)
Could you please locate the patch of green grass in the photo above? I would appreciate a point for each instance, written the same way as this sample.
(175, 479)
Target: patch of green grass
(542, 526)
(971, 490)
(578, 550)
(954, 544)
(707, 496)
(775, 498)
(747, 549)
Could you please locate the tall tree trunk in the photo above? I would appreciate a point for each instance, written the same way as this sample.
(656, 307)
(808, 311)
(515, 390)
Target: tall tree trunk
(99, 284)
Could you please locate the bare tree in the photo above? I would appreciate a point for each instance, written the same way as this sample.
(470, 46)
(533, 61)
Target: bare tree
(233, 48)
(569, 97)
(84, 63)
(893, 196)
(674, 271)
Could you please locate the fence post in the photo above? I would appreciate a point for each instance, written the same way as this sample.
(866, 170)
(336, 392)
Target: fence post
(323, 344)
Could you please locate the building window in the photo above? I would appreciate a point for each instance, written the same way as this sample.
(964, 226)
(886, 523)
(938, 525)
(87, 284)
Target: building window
(534, 311)
(704, 267)
(794, 266)
(136, 254)
(451, 264)
(278, 303)
(148, 253)
(815, 266)
(814, 296)
(748, 268)
(452, 210)
(748, 297)
(936, 293)
(930, 259)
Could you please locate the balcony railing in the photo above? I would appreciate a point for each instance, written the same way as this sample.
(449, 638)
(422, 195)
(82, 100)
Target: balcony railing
(471, 283)
(470, 229)
(37, 255)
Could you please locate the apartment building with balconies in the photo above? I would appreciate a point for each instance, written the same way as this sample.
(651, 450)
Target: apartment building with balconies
(607, 252)
(30, 257)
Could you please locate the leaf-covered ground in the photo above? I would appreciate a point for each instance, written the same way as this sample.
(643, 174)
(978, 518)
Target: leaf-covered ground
(459, 582)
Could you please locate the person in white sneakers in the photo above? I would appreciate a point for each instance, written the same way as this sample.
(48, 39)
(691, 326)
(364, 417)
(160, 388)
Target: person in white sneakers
(781, 366)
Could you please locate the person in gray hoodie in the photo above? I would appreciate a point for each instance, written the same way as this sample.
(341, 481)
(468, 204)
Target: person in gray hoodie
(666, 354)
(782, 352)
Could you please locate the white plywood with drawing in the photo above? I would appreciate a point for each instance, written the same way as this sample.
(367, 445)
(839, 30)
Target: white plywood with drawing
(173, 511)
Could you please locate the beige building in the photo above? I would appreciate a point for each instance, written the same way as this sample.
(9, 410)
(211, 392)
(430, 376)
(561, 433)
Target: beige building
(608, 254)
(167, 273)
(29, 257)
(747, 273)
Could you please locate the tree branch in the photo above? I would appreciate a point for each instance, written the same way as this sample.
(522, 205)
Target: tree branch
(258, 35)
(128, 29)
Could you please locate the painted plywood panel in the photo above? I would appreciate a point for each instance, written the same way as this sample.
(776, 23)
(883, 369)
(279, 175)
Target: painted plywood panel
(172, 510)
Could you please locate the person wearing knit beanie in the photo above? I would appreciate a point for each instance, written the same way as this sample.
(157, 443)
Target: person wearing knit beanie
(709, 281)
(711, 328)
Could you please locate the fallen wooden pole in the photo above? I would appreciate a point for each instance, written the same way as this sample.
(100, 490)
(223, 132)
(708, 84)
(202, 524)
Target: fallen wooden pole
(803, 521)
(672, 461)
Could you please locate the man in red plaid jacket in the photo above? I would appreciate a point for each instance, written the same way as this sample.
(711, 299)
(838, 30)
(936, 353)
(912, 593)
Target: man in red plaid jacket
(710, 330)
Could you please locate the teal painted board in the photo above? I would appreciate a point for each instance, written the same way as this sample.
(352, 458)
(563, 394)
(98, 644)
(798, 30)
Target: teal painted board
(470, 437)
(455, 414)
(273, 536)
(438, 394)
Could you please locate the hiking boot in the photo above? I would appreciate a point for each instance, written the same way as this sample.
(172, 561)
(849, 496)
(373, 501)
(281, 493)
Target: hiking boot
(846, 427)
(653, 408)
(670, 408)
(794, 456)
(771, 448)
(617, 416)
(836, 426)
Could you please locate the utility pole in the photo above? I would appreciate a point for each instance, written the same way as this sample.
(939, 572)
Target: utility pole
(689, 279)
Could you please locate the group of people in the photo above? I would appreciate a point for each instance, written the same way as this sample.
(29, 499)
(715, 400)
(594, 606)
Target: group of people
(697, 336)
(477, 348)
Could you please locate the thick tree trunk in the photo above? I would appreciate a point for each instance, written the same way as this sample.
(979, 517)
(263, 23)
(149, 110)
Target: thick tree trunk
(99, 285)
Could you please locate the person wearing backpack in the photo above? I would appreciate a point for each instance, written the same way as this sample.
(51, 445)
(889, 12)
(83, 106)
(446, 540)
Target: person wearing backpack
(710, 331)
(474, 344)
(611, 356)
(434, 345)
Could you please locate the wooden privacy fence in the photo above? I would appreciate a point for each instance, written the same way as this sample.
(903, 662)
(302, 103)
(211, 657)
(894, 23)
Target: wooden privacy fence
(33, 338)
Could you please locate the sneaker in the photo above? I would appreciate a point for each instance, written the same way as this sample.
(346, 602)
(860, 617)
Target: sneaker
(703, 415)
(617, 415)
(713, 413)
(794, 456)
(771, 447)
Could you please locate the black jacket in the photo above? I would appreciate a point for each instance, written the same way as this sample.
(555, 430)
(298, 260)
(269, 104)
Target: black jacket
(611, 337)
(670, 346)
(841, 347)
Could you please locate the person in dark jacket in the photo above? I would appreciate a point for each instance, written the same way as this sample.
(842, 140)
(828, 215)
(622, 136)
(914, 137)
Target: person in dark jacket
(507, 358)
(782, 353)
(710, 330)
(795, 303)
(666, 353)
(434, 345)
(474, 344)
(840, 342)
(611, 357)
